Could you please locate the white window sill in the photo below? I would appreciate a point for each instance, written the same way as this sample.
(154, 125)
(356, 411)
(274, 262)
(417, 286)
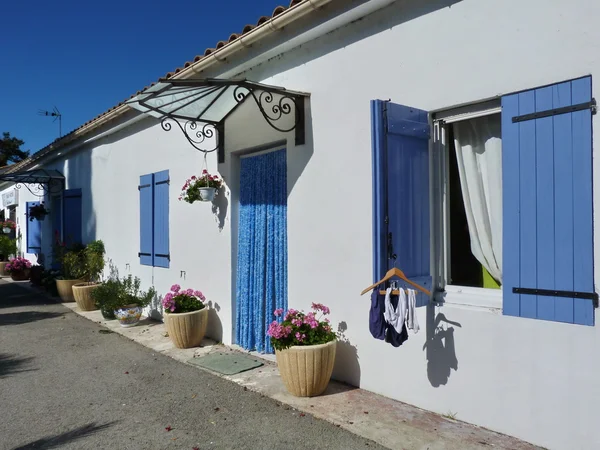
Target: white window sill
(471, 296)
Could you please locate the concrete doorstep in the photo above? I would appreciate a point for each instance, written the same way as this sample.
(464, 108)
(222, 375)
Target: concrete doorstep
(388, 422)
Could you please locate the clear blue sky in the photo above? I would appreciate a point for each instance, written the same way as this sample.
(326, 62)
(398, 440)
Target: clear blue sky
(85, 57)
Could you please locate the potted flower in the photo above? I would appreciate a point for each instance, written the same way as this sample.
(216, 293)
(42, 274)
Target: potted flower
(73, 269)
(8, 248)
(185, 316)
(305, 350)
(8, 226)
(131, 301)
(18, 268)
(93, 265)
(202, 188)
(38, 212)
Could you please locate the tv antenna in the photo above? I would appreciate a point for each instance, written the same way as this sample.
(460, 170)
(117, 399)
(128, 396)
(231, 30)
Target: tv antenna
(56, 114)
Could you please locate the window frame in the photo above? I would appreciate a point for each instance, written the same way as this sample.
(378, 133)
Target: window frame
(440, 208)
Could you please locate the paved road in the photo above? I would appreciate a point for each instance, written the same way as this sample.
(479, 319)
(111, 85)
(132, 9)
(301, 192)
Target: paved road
(65, 385)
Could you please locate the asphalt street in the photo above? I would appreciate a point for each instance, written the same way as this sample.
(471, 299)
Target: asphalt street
(65, 384)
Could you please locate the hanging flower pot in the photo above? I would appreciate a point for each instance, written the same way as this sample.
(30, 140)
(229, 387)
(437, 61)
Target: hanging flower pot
(8, 226)
(37, 212)
(207, 194)
(202, 188)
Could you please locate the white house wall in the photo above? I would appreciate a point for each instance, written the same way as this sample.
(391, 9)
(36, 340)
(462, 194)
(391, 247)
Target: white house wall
(529, 378)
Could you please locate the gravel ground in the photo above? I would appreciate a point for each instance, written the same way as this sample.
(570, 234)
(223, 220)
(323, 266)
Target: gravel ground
(63, 384)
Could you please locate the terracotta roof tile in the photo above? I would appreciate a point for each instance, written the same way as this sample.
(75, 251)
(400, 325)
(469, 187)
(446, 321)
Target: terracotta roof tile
(207, 52)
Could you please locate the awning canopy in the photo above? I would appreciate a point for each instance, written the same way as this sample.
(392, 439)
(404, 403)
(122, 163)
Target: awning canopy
(38, 181)
(200, 107)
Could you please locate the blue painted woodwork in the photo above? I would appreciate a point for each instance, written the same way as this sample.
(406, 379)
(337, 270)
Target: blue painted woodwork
(161, 219)
(547, 203)
(262, 248)
(72, 217)
(34, 231)
(146, 189)
(400, 152)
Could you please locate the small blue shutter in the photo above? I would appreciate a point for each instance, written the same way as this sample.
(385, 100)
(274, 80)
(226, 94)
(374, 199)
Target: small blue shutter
(400, 141)
(146, 189)
(161, 219)
(34, 231)
(72, 216)
(547, 203)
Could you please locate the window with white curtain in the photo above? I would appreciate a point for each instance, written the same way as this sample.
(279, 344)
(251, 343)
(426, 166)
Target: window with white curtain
(469, 197)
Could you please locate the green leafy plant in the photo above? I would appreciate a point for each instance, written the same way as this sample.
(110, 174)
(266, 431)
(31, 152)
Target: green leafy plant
(93, 259)
(116, 292)
(298, 328)
(73, 265)
(8, 247)
(49, 281)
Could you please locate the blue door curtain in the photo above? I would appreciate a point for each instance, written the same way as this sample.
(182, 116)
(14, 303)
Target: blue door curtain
(262, 248)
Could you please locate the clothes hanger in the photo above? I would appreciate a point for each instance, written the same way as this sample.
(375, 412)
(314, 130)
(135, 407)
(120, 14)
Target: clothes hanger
(395, 272)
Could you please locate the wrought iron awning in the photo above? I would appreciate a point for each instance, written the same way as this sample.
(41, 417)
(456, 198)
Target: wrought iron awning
(39, 181)
(201, 107)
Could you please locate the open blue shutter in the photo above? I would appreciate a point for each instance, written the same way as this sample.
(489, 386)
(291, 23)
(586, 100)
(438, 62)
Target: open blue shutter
(547, 203)
(146, 189)
(401, 192)
(72, 216)
(34, 231)
(161, 219)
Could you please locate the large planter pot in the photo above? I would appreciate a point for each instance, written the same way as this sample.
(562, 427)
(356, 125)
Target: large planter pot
(83, 295)
(3, 268)
(65, 289)
(306, 370)
(187, 329)
(129, 315)
(20, 276)
(207, 194)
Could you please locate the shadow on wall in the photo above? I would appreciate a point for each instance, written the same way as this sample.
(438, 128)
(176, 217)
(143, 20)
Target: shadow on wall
(347, 366)
(397, 13)
(61, 439)
(220, 207)
(215, 327)
(440, 347)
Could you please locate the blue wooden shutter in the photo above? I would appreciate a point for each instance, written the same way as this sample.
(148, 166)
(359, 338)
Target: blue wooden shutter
(146, 189)
(400, 138)
(547, 202)
(34, 231)
(72, 216)
(161, 219)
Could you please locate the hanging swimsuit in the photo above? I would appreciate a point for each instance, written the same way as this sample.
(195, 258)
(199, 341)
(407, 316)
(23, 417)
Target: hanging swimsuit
(379, 328)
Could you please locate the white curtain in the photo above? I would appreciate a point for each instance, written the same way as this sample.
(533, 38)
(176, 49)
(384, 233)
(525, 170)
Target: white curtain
(479, 154)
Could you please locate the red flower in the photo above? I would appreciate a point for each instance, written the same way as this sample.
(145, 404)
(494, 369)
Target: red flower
(168, 428)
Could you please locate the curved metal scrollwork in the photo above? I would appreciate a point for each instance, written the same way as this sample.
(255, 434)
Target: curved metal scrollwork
(194, 133)
(280, 107)
(41, 189)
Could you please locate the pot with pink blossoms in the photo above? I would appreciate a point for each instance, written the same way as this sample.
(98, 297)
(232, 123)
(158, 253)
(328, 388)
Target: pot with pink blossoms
(186, 316)
(305, 349)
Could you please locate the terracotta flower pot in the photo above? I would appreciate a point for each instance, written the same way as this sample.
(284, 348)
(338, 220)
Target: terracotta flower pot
(306, 370)
(65, 289)
(2, 268)
(20, 276)
(187, 329)
(83, 295)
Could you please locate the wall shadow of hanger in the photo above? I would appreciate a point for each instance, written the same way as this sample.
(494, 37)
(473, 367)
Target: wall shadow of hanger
(395, 272)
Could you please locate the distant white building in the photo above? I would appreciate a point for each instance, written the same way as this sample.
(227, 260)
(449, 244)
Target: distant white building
(451, 139)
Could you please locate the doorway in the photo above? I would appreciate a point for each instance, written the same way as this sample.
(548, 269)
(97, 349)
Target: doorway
(262, 247)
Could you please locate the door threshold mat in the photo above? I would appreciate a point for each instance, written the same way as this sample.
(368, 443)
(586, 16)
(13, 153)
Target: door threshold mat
(227, 363)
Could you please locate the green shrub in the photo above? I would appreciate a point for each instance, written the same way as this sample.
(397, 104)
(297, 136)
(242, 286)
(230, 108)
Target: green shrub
(117, 292)
(8, 247)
